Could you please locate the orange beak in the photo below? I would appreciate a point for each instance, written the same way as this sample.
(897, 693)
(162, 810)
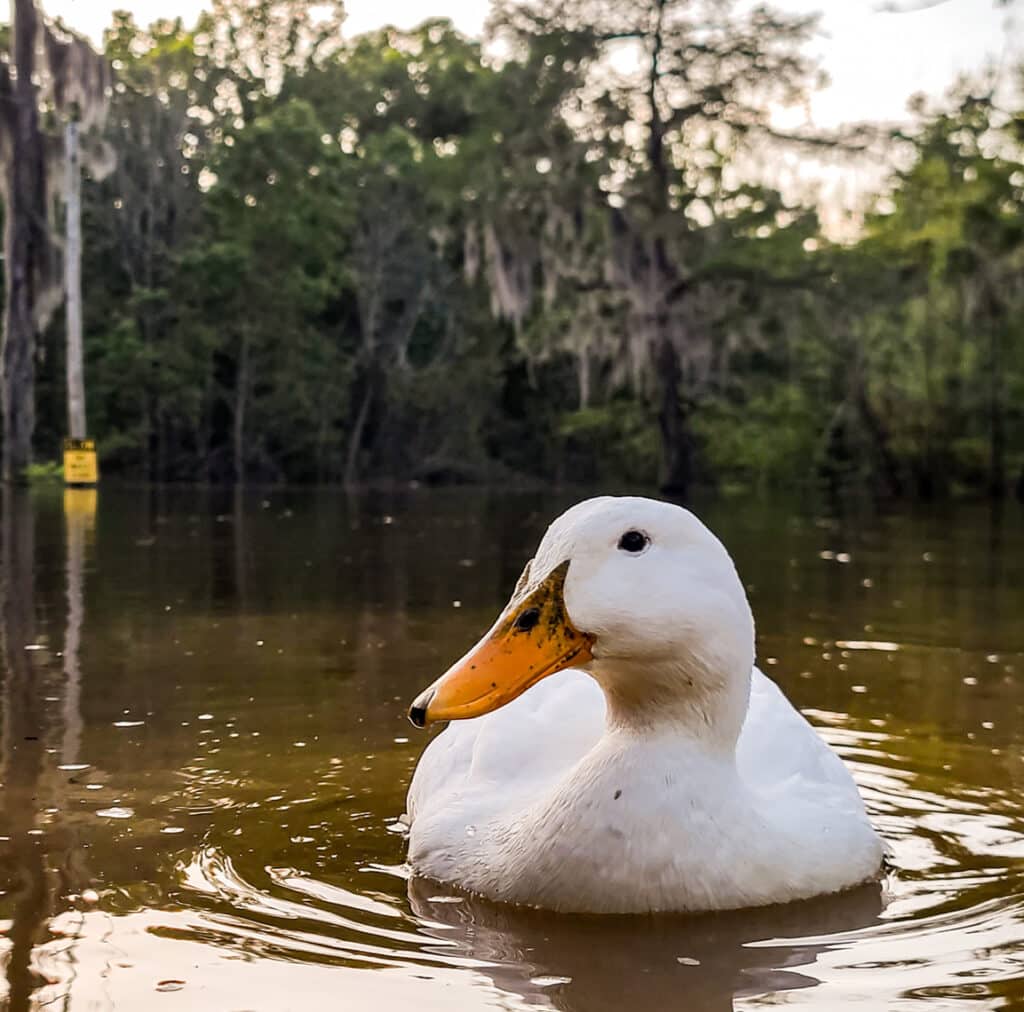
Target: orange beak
(533, 638)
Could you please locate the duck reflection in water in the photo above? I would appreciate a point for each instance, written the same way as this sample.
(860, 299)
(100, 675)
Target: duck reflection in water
(592, 963)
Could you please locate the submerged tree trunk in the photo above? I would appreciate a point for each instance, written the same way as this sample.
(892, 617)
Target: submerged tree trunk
(73, 283)
(24, 239)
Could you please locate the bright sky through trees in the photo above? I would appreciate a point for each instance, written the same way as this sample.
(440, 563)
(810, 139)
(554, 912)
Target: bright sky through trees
(875, 59)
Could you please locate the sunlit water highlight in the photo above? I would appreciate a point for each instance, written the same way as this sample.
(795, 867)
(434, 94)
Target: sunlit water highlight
(200, 798)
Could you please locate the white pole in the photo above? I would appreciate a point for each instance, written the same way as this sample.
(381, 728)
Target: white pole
(73, 283)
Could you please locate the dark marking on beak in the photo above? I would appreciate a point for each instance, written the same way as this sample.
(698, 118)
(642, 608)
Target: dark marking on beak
(418, 710)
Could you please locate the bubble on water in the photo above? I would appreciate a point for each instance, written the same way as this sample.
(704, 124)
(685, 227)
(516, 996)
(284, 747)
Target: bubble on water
(73, 767)
(858, 688)
(401, 741)
(687, 961)
(172, 830)
(445, 899)
(550, 980)
(129, 723)
(970, 680)
(34, 646)
(205, 716)
(116, 813)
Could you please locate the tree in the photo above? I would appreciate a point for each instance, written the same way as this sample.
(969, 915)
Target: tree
(29, 273)
(947, 348)
(702, 82)
(66, 76)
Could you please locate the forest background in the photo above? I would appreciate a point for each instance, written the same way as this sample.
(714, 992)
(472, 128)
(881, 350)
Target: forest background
(556, 254)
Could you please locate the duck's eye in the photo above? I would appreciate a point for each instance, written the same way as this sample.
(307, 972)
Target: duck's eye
(634, 541)
(528, 619)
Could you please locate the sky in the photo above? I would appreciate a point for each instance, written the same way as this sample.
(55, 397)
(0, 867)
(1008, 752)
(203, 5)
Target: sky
(876, 60)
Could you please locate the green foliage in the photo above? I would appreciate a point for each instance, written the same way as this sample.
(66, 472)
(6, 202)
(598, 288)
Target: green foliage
(770, 439)
(44, 472)
(611, 443)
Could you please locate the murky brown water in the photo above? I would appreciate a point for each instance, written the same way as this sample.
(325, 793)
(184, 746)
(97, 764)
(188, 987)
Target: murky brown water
(205, 749)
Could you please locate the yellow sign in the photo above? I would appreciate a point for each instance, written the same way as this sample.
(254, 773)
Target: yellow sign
(80, 467)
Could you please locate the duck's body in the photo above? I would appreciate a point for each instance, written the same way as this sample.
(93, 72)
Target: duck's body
(651, 783)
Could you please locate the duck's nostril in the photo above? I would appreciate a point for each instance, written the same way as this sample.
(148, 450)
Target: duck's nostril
(527, 620)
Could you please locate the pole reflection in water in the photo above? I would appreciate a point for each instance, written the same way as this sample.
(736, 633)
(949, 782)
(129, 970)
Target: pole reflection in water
(79, 522)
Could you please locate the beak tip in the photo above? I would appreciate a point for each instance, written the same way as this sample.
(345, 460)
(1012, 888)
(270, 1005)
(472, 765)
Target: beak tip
(418, 710)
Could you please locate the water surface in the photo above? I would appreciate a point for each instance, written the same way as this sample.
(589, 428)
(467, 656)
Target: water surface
(205, 751)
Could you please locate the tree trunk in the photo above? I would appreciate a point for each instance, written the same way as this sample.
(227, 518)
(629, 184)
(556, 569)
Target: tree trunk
(677, 448)
(879, 436)
(241, 399)
(583, 375)
(997, 421)
(24, 242)
(673, 423)
(73, 283)
(355, 443)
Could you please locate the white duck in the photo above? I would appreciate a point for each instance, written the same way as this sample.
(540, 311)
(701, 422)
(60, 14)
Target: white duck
(667, 774)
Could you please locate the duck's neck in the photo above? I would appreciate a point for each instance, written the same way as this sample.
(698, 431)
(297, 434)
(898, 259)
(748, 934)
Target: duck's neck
(703, 705)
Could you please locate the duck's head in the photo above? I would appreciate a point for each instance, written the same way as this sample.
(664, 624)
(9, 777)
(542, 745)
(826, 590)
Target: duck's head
(638, 592)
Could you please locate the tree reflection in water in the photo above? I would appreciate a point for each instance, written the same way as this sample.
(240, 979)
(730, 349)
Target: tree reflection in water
(24, 731)
(45, 861)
